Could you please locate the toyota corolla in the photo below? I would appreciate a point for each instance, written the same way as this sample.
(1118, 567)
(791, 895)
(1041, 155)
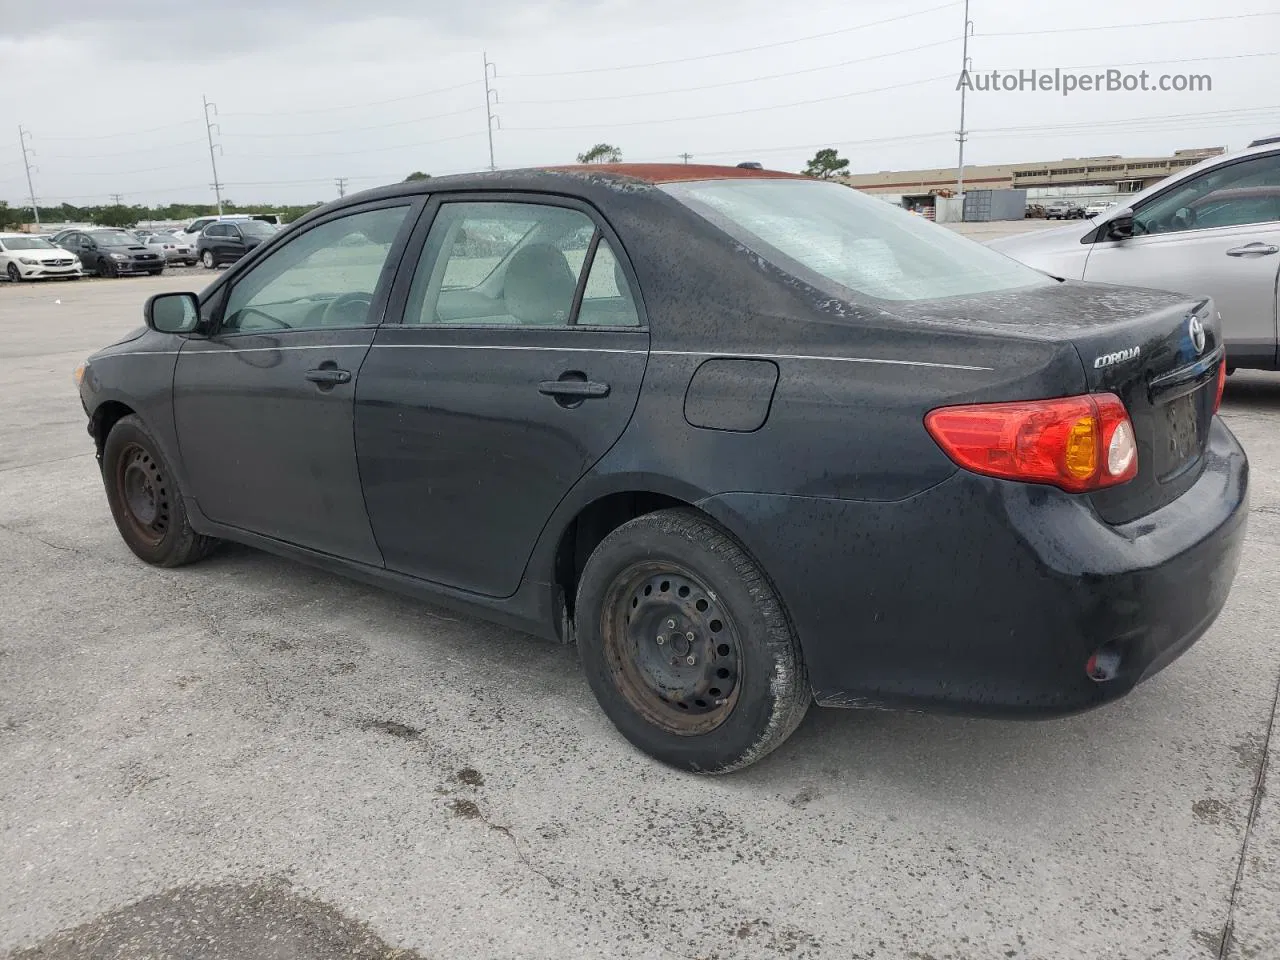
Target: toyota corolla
(748, 439)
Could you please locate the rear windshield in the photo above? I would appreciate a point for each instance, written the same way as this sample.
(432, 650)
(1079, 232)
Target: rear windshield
(841, 240)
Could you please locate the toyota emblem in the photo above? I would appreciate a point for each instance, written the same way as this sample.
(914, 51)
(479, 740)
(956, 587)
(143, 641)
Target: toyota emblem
(1196, 329)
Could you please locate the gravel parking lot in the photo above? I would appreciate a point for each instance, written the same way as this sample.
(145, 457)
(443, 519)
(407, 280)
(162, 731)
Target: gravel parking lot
(248, 758)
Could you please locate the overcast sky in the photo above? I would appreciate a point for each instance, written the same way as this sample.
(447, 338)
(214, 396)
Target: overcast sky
(310, 90)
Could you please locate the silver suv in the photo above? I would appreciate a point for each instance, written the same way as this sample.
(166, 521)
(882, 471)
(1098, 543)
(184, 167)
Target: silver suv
(1212, 230)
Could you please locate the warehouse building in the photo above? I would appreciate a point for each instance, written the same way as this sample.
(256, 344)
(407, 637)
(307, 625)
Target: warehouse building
(1084, 179)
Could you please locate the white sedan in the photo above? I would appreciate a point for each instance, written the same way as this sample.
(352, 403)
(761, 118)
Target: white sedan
(24, 257)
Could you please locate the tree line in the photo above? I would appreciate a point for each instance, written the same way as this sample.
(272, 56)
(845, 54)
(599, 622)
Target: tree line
(826, 163)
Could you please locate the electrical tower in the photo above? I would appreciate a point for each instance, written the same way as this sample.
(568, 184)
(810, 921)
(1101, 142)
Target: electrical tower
(686, 156)
(962, 135)
(341, 184)
(117, 199)
(209, 126)
(490, 99)
(23, 136)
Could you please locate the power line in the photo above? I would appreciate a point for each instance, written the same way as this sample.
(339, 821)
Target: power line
(1225, 116)
(1152, 63)
(208, 129)
(341, 130)
(734, 83)
(1128, 26)
(356, 106)
(363, 150)
(734, 113)
(126, 133)
(728, 53)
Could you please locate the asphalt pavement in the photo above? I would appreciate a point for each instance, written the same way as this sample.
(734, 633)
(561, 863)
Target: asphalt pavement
(251, 759)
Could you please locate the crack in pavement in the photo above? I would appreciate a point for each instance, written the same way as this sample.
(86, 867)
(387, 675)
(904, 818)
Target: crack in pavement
(1228, 928)
(39, 539)
(41, 463)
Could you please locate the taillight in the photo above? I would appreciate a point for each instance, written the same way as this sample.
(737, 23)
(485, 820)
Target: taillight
(1075, 443)
(1222, 383)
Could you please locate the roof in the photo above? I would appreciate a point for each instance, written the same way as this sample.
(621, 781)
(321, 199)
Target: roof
(677, 172)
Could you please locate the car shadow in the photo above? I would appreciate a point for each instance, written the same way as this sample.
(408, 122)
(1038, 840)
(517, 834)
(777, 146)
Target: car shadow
(981, 764)
(1251, 390)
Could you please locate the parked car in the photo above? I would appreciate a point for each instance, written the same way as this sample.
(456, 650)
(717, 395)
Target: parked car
(26, 257)
(1063, 211)
(830, 451)
(226, 241)
(1096, 209)
(1212, 230)
(172, 249)
(190, 234)
(110, 252)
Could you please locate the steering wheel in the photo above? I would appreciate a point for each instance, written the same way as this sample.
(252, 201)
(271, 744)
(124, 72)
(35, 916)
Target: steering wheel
(343, 311)
(245, 311)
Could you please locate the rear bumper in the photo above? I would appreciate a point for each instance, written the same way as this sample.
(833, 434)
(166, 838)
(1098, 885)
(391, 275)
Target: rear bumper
(988, 597)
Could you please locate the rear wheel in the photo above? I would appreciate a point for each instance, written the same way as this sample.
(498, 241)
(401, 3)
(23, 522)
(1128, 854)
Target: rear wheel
(207, 259)
(686, 645)
(145, 500)
(15, 275)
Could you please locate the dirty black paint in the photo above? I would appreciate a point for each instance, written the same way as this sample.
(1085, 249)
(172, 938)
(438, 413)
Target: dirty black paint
(908, 581)
(731, 394)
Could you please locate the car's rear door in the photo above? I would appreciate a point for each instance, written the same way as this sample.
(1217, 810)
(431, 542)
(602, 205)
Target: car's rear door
(1216, 234)
(510, 363)
(263, 406)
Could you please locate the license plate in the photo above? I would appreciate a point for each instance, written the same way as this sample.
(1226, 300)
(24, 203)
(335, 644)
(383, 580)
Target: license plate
(1183, 430)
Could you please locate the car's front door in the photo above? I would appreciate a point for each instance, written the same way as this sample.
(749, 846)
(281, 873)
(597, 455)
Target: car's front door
(514, 365)
(263, 406)
(1216, 234)
(233, 243)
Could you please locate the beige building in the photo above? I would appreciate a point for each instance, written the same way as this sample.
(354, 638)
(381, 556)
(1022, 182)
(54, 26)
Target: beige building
(1100, 174)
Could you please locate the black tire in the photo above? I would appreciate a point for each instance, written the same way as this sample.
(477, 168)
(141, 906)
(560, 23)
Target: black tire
(145, 500)
(155, 273)
(688, 570)
(15, 275)
(107, 269)
(208, 260)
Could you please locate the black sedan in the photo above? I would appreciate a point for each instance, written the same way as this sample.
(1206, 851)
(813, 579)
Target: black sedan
(109, 252)
(750, 440)
(226, 241)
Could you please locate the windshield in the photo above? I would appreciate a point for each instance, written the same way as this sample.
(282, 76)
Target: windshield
(114, 238)
(256, 228)
(26, 243)
(839, 240)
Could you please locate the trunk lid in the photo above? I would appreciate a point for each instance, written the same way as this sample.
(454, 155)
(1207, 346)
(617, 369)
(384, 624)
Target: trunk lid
(1158, 352)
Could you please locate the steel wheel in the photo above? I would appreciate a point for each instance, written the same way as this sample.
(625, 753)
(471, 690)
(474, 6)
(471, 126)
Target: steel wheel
(143, 493)
(674, 649)
(15, 275)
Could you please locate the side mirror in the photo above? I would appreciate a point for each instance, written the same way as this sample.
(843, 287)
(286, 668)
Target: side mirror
(172, 312)
(1120, 227)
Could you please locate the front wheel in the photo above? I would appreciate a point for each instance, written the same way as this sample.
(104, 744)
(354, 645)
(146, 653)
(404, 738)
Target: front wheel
(107, 269)
(206, 258)
(155, 273)
(15, 275)
(686, 645)
(145, 501)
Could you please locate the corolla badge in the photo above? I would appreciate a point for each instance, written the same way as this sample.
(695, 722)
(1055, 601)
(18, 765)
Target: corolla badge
(1120, 356)
(1195, 329)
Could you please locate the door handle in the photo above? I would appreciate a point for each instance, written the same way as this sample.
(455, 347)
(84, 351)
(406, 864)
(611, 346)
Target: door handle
(328, 376)
(573, 389)
(1257, 249)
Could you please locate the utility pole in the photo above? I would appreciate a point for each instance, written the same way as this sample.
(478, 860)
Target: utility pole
(341, 184)
(961, 134)
(208, 128)
(23, 135)
(117, 199)
(686, 156)
(490, 98)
